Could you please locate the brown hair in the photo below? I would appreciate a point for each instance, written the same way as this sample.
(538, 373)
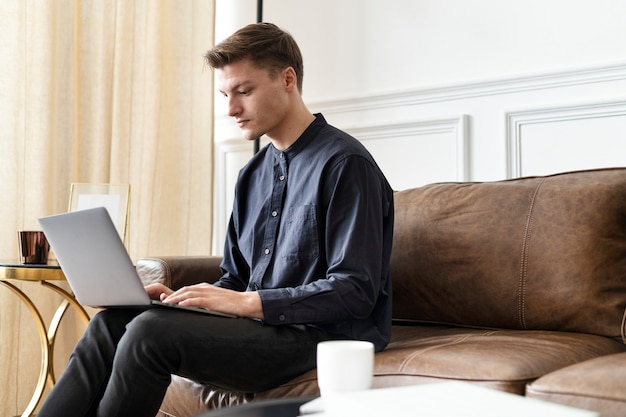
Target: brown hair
(265, 44)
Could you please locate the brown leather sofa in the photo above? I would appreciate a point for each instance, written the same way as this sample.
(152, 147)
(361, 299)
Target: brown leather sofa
(517, 285)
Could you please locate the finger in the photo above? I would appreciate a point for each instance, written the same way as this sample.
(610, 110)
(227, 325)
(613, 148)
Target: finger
(176, 297)
(156, 290)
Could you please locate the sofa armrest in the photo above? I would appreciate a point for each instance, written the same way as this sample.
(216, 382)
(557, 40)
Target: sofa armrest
(178, 271)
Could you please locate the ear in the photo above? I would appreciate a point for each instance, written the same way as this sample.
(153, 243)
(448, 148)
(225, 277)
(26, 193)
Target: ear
(290, 79)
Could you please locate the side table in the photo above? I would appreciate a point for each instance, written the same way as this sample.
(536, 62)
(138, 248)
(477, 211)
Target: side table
(43, 275)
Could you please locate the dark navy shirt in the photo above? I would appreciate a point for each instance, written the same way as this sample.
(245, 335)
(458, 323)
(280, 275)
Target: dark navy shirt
(311, 232)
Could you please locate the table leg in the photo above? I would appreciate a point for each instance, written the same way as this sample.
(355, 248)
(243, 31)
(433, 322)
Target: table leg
(56, 321)
(45, 352)
(47, 338)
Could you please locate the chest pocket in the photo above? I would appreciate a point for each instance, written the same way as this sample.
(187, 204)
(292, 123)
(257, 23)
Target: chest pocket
(300, 241)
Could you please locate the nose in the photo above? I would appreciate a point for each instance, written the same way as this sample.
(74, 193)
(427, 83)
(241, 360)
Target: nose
(234, 108)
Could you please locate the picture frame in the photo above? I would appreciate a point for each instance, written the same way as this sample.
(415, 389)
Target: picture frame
(114, 197)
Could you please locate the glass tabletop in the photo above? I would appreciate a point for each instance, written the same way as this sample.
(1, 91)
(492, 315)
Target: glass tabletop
(52, 264)
(14, 270)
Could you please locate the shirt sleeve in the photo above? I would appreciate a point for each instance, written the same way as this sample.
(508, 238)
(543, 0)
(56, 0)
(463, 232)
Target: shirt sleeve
(235, 269)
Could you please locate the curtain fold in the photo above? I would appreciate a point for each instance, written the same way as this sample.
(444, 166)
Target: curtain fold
(102, 92)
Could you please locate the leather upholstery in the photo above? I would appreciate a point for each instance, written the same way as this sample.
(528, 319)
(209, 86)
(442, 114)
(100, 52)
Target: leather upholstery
(598, 385)
(504, 254)
(499, 284)
(179, 271)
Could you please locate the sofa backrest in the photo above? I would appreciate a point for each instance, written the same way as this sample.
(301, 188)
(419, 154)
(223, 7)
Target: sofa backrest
(536, 253)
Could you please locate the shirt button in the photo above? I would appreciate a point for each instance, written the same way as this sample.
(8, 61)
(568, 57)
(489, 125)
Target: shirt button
(267, 251)
(281, 317)
(282, 178)
(282, 155)
(274, 213)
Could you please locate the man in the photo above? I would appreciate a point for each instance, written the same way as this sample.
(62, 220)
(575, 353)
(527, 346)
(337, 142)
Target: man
(306, 257)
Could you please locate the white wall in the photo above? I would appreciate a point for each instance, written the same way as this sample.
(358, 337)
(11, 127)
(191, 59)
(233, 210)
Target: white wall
(452, 90)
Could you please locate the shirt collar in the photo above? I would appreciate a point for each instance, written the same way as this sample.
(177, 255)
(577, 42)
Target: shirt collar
(302, 142)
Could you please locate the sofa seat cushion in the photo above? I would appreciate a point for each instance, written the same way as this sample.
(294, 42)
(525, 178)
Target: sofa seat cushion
(598, 384)
(503, 359)
(506, 360)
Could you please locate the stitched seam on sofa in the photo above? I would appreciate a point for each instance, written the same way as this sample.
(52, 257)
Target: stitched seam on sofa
(524, 257)
(569, 394)
(622, 329)
(410, 357)
(168, 273)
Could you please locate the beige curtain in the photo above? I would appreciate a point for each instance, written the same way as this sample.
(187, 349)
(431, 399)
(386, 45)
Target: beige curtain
(100, 91)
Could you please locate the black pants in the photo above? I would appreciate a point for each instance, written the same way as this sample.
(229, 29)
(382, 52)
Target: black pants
(122, 364)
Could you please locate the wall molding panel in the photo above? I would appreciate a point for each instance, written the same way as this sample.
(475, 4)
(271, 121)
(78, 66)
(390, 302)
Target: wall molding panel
(474, 89)
(230, 156)
(517, 122)
(424, 138)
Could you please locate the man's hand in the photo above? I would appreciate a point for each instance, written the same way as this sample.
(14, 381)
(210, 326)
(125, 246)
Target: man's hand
(241, 304)
(157, 291)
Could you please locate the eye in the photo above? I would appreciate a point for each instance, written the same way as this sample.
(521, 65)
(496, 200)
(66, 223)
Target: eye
(244, 92)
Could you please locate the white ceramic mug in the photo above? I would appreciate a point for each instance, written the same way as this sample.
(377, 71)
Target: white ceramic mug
(344, 365)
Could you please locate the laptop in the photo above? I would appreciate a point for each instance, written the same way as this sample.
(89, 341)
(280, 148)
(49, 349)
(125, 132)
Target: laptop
(96, 264)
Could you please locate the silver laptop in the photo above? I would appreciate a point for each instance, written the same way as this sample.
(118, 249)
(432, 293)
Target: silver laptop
(96, 263)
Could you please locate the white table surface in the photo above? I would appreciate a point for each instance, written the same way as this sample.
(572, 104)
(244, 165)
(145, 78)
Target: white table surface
(444, 399)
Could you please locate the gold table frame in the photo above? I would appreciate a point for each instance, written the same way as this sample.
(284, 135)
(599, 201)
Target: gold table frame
(41, 274)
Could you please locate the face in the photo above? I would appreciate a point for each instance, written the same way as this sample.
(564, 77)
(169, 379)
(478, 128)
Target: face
(258, 103)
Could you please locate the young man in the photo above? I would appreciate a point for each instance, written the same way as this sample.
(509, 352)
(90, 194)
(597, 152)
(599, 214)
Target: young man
(306, 257)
